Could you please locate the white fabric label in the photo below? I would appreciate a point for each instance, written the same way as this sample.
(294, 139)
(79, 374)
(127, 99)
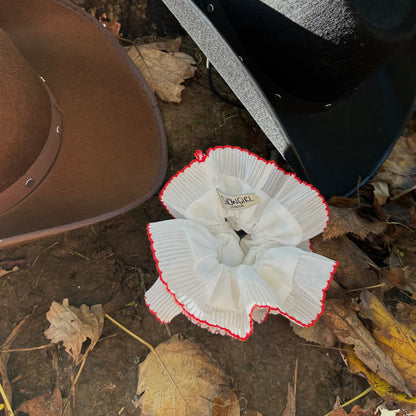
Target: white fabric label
(241, 201)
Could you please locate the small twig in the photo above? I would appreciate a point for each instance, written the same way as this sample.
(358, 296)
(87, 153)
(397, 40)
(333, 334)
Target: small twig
(36, 259)
(72, 396)
(75, 381)
(79, 371)
(362, 394)
(52, 245)
(77, 253)
(366, 287)
(151, 349)
(322, 346)
(130, 333)
(126, 40)
(413, 188)
(358, 191)
(28, 349)
(295, 381)
(9, 410)
(401, 224)
(107, 337)
(168, 330)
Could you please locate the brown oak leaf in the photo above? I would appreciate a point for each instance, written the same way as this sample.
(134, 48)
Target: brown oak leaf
(73, 326)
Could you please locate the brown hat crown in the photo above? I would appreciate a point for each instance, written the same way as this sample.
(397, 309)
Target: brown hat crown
(25, 114)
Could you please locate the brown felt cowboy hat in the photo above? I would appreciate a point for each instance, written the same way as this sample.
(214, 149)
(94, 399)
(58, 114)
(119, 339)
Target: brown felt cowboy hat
(81, 135)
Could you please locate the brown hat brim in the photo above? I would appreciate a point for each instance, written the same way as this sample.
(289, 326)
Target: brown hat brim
(113, 153)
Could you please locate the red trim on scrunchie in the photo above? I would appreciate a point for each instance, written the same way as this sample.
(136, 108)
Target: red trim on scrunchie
(226, 330)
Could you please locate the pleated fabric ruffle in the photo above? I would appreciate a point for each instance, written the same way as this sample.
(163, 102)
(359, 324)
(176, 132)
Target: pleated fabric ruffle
(290, 211)
(239, 246)
(195, 279)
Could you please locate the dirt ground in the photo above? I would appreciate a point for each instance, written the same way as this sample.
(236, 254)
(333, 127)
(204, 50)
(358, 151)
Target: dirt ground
(111, 263)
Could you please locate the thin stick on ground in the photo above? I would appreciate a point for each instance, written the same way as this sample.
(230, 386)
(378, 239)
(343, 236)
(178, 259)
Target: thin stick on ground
(9, 411)
(74, 381)
(295, 378)
(28, 349)
(132, 334)
(366, 287)
(326, 347)
(290, 409)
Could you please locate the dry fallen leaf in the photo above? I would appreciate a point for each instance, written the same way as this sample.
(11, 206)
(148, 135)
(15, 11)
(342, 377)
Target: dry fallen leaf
(193, 386)
(394, 338)
(348, 328)
(3, 272)
(73, 326)
(290, 409)
(403, 258)
(164, 67)
(346, 220)
(406, 314)
(399, 169)
(342, 202)
(318, 333)
(338, 410)
(380, 386)
(46, 404)
(355, 268)
(9, 266)
(113, 26)
(381, 191)
(396, 276)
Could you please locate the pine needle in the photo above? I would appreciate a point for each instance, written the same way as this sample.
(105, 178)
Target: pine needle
(9, 410)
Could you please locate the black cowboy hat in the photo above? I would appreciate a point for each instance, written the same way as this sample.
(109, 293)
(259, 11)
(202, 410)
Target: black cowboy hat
(331, 83)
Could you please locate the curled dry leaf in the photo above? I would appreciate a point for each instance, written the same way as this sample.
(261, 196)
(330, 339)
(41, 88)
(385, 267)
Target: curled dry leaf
(348, 328)
(46, 404)
(381, 191)
(393, 337)
(318, 333)
(73, 326)
(164, 67)
(346, 220)
(193, 386)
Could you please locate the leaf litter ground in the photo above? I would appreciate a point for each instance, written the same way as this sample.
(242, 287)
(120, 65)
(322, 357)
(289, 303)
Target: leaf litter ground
(111, 264)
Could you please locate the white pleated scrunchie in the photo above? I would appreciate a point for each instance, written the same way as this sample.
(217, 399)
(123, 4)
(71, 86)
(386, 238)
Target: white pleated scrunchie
(239, 246)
